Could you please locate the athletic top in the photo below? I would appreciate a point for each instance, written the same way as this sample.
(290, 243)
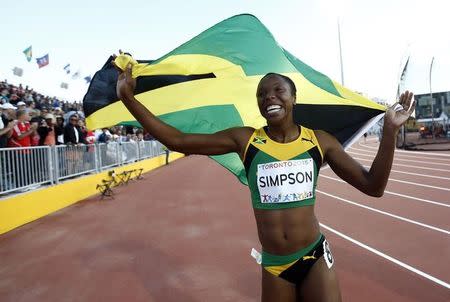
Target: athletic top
(281, 175)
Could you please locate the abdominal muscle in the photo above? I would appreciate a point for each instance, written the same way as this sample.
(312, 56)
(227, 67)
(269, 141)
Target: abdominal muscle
(285, 231)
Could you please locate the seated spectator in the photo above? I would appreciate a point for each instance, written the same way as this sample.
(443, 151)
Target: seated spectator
(140, 135)
(21, 105)
(14, 99)
(82, 127)
(35, 114)
(4, 96)
(22, 131)
(9, 111)
(31, 106)
(47, 131)
(58, 111)
(123, 136)
(115, 131)
(72, 132)
(55, 103)
(6, 126)
(34, 137)
(44, 111)
(59, 130)
(105, 136)
(90, 137)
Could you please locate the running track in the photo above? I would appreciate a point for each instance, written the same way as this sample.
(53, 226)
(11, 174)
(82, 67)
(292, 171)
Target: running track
(185, 232)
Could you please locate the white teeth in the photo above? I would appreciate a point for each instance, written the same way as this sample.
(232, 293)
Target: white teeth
(273, 108)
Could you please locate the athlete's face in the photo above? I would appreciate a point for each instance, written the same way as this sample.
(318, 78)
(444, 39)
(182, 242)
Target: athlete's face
(275, 99)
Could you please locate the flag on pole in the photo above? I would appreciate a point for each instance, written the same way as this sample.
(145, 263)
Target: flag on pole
(67, 68)
(42, 61)
(209, 84)
(18, 71)
(87, 79)
(76, 75)
(28, 53)
(402, 78)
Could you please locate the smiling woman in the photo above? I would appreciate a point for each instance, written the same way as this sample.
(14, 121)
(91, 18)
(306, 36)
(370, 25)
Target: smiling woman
(282, 162)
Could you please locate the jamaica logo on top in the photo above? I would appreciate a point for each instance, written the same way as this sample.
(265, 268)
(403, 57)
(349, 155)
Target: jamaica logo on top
(259, 140)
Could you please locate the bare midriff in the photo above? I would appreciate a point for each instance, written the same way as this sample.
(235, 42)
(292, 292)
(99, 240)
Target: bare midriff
(285, 231)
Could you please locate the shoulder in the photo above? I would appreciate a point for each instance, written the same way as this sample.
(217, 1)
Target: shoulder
(246, 131)
(323, 135)
(239, 133)
(326, 141)
(244, 134)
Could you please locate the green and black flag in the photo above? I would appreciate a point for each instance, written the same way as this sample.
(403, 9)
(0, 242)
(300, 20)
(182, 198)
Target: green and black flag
(209, 84)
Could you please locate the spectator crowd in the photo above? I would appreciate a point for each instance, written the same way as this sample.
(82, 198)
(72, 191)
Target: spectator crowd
(29, 118)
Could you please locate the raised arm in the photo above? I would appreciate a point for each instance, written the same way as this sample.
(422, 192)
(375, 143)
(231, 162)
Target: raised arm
(226, 141)
(372, 181)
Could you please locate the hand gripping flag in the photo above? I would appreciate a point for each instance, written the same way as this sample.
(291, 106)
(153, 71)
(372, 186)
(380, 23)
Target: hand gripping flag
(209, 84)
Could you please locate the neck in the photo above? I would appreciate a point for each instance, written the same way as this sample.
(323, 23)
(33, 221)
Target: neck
(283, 133)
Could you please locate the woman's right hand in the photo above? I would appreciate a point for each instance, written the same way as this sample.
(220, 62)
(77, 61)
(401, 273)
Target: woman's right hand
(125, 82)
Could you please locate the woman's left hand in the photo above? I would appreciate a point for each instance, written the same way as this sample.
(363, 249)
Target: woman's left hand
(393, 118)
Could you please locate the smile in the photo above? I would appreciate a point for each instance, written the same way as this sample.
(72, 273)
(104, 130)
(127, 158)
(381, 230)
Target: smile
(273, 108)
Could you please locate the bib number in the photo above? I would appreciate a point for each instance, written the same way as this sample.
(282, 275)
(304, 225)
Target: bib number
(286, 181)
(327, 254)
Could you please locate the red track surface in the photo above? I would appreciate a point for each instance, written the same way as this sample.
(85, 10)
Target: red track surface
(185, 232)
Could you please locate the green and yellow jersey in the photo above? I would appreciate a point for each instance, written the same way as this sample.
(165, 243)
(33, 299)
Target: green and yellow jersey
(281, 175)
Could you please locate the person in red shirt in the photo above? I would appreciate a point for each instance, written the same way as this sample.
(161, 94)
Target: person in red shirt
(22, 131)
(23, 169)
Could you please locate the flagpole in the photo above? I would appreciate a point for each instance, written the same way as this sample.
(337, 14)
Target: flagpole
(399, 88)
(403, 134)
(340, 52)
(431, 100)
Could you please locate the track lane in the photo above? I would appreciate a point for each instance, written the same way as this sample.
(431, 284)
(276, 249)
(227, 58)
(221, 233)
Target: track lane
(402, 240)
(175, 237)
(412, 209)
(365, 276)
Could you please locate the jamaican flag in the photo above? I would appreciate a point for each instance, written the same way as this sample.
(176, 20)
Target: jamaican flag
(209, 84)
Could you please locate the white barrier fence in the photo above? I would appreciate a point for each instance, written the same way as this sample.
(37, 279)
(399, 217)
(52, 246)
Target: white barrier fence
(25, 168)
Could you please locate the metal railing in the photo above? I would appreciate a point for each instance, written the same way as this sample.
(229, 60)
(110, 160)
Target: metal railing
(22, 169)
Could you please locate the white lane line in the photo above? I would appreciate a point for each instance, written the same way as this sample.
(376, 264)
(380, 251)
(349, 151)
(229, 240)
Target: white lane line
(398, 194)
(372, 139)
(420, 185)
(386, 213)
(417, 184)
(412, 152)
(408, 160)
(418, 174)
(419, 199)
(415, 174)
(409, 166)
(387, 257)
(402, 155)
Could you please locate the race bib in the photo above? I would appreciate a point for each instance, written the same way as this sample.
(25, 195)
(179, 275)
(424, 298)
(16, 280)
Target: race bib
(329, 260)
(286, 181)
